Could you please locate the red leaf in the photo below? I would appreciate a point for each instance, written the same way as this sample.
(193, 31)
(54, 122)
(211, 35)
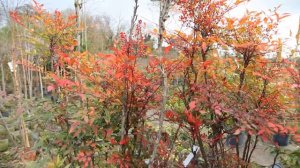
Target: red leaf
(109, 132)
(264, 138)
(167, 49)
(197, 124)
(218, 112)
(124, 141)
(73, 126)
(169, 114)
(192, 105)
(271, 125)
(237, 132)
(260, 132)
(50, 88)
(113, 141)
(296, 138)
(190, 117)
(131, 57)
(295, 86)
(192, 120)
(119, 75)
(82, 96)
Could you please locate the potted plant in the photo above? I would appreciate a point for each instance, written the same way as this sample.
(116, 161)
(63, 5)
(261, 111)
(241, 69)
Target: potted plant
(3, 145)
(232, 140)
(281, 139)
(234, 137)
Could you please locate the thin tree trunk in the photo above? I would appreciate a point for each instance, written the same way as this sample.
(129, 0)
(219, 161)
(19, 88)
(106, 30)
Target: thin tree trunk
(30, 82)
(124, 94)
(253, 148)
(78, 6)
(275, 159)
(161, 115)
(41, 83)
(25, 81)
(202, 149)
(163, 16)
(164, 9)
(3, 78)
(29, 71)
(174, 143)
(85, 26)
(24, 133)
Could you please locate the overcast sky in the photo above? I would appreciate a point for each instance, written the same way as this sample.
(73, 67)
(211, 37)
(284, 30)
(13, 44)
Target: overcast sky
(148, 11)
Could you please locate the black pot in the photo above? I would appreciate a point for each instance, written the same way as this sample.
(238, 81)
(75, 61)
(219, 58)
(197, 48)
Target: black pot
(277, 165)
(281, 139)
(232, 140)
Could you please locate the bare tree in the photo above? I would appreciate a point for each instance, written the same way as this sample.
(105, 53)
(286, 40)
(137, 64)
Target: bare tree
(164, 9)
(164, 6)
(124, 95)
(78, 8)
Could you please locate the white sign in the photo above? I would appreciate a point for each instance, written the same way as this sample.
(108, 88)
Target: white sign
(11, 67)
(189, 158)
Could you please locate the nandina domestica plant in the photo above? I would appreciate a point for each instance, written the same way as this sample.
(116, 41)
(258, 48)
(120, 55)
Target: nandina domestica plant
(233, 81)
(227, 79)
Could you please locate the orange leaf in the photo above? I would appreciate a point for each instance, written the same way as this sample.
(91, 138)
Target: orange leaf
(207, 63)
(230, 23)
(73, 126)
(243, 20)
(204, 46)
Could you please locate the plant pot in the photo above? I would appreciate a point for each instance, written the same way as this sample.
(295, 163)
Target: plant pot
(3, 145)
(232, 140)
(3, 131)
(277, 165)
(281, 139)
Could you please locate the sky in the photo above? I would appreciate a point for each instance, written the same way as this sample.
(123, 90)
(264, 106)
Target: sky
(121, 10)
